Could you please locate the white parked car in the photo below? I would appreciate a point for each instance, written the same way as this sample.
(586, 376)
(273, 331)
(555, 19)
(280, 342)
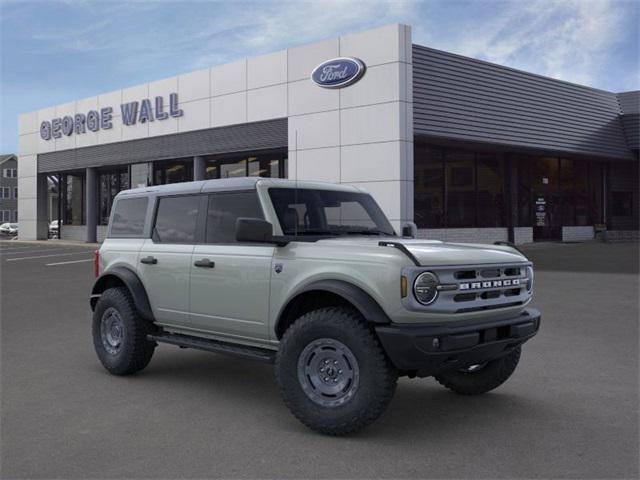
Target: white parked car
(9, 228)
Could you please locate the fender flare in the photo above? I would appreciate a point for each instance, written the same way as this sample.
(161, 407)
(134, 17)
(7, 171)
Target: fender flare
(132, 282)
(361, 300)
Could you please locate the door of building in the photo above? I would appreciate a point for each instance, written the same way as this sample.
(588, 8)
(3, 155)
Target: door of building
(547, 224)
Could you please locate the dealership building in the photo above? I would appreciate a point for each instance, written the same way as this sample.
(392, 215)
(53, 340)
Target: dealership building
(468, 150)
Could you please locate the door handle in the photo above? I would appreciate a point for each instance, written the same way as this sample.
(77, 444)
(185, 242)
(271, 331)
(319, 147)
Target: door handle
(205, 263)
(149, 260)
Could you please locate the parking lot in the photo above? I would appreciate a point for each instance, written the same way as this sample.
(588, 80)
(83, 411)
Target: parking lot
(569, 411)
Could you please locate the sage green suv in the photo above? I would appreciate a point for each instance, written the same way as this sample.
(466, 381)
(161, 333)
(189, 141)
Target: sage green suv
(311, 277)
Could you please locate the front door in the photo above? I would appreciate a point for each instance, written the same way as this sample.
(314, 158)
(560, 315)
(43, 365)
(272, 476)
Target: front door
(230, 281)
(165, 260)
(547, 225)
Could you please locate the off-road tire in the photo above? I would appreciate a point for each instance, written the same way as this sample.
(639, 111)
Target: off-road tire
(489, 377)
(135, 350)
(377, 377)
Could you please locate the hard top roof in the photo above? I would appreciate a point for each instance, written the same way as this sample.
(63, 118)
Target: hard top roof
(231, 184)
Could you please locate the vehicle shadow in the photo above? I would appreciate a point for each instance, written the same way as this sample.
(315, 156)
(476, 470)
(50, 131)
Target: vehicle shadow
(419, 408)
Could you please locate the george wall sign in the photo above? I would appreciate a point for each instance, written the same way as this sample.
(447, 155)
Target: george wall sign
(94, 120)
(339, 72)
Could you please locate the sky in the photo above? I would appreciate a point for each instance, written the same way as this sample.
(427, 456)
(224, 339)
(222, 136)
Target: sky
(55, 51)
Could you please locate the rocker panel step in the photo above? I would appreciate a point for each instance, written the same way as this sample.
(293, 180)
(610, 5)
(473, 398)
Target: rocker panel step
(217, 346)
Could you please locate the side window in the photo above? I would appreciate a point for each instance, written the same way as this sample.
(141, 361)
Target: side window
(224, 209)
(128, 217)
(176, 219)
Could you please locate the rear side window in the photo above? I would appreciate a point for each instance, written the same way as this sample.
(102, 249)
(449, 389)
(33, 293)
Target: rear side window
(128, 217)
(224, 209)
(176, 219)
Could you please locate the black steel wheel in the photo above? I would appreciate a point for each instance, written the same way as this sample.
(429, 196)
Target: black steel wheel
(120, 334)
(332, 372)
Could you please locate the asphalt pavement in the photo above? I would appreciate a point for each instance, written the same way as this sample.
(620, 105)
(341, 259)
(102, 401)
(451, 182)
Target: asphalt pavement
(569, 411)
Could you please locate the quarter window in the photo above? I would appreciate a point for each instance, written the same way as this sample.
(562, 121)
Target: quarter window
(223, 211)
(176, 219)
(128, 217)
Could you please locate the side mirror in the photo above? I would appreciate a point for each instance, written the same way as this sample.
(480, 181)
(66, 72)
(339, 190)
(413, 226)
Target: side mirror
(410, 230)
(253, 230)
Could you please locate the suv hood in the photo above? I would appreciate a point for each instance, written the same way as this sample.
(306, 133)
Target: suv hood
(437, 253)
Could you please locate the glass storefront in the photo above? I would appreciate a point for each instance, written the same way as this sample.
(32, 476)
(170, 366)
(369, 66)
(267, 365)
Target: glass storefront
(110, 183)
(456, 188)
(73, 191)
(173, 171)
(264, 164)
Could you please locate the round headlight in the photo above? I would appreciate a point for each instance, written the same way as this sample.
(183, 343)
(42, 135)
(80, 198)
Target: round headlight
(529, 273)
(425, 288)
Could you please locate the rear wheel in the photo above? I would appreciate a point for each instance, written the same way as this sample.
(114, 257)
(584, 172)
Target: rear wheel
(481, 378)
(120, 334)
(332, 372)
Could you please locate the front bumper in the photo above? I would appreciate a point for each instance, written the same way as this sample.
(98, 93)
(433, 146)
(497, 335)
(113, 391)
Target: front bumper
(427, 350)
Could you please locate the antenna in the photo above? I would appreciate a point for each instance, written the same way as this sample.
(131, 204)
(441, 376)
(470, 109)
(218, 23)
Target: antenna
(295, 190)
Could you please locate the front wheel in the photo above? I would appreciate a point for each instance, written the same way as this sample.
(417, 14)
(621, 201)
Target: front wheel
(120, 334)
(478, 379)
(332, 372)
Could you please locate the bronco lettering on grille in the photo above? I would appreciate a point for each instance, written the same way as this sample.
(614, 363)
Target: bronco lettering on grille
(489, 284)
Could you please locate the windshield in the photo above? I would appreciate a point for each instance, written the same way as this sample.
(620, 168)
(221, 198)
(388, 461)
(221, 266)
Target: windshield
(328, 212)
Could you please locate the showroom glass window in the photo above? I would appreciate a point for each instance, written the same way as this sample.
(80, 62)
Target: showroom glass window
(457, 188)
(173, 171)
(73, 199)
(429, 187)
(110, 183)
(490, 175)
(523, 192)
(460, 189)
(270, 164)
(623, 196)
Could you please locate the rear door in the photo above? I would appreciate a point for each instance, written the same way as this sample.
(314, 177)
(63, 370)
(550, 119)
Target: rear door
(165, 259)
(230, 280)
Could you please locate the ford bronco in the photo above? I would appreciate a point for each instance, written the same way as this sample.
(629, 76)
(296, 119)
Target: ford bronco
(311, 277)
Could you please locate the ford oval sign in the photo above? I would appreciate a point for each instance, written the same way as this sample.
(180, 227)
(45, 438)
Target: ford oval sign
(338, 73)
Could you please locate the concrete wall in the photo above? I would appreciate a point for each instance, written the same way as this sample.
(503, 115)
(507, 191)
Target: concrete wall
(361, 134)
(523, 235)
(73, 232)
(465, 235)
(577, 234)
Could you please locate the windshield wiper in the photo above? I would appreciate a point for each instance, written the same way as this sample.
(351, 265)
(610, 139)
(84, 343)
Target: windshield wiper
(314, 232)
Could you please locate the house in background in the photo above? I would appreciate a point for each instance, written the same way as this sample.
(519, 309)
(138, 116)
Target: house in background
(9, 188)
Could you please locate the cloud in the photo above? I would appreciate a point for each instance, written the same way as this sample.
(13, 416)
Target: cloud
(569, 40)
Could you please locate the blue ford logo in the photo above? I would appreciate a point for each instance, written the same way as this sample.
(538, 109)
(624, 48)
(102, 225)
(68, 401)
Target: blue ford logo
(338, 73)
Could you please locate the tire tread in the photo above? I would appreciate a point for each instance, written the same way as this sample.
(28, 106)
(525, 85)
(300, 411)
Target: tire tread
(341, 318)
(138, 350)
